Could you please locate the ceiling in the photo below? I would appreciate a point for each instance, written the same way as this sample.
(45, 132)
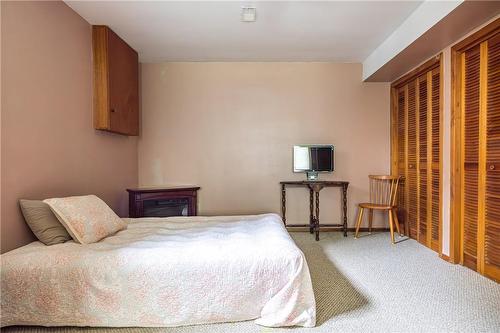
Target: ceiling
(338, 31)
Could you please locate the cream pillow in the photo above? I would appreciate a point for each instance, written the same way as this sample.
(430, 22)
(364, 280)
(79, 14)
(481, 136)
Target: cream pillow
(86, 218)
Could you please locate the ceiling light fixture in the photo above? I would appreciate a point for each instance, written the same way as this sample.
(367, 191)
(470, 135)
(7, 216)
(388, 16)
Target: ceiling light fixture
(248, 14)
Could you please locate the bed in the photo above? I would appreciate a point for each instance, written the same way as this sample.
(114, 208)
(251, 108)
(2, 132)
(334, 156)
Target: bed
(162, 272)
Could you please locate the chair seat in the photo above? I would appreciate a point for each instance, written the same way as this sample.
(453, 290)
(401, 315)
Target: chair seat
(375, 206)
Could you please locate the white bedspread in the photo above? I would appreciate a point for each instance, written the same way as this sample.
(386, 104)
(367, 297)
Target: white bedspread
(163, 272)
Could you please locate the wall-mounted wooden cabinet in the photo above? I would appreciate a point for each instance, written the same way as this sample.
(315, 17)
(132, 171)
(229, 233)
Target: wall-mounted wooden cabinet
(116, 83)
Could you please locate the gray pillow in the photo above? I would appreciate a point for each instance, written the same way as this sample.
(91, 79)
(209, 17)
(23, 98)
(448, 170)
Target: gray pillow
(43, 222)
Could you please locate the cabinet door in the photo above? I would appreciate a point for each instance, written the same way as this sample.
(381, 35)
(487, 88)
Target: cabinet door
(123, 86)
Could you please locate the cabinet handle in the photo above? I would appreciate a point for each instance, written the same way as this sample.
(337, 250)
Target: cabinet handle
(113, 110)
(492, 166)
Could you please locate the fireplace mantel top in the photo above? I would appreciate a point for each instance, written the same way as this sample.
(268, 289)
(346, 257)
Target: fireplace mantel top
(163, 188)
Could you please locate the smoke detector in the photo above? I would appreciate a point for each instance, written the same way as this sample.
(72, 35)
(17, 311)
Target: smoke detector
(248, 14)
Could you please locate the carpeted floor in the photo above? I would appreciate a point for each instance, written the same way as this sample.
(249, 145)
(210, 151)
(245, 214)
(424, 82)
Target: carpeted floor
(369, 285)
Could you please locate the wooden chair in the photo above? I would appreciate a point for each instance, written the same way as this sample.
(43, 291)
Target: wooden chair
(383, 194)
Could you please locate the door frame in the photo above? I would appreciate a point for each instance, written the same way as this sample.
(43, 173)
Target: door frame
(456, 140)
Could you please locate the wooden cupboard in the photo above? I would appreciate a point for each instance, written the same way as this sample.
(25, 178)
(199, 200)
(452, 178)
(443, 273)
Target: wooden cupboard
(116, 83)
(416, 137)
(476, 151)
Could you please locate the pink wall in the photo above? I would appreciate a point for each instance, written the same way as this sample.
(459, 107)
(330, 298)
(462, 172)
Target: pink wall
(230, 128)
(48, 145)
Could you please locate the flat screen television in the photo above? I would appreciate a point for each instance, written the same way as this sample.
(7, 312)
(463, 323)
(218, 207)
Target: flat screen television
(312, 159)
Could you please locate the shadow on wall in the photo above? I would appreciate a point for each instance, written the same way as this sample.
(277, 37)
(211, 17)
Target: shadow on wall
(334, 294)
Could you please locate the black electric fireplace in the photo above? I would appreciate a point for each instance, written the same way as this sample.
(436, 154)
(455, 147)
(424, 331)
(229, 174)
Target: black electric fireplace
(162, 202)
(165, 207)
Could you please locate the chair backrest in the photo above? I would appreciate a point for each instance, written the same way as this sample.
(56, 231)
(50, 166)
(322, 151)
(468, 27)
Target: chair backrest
(383, 189)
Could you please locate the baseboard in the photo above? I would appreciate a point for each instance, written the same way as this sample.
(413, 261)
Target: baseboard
(445, 257)
(375, 229)
(333, 229)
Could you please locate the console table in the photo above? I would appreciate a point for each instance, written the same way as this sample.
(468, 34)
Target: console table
(314, 188)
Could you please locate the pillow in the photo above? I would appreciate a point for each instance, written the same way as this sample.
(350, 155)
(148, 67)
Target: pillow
(87, 218)
(43, 222)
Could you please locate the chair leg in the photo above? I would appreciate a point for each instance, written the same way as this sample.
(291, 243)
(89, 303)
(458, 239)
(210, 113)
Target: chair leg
(391, 226)
(396, 221)
(370, 220)
(360, 218)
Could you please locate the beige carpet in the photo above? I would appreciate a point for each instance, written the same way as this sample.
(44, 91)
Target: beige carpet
(369, 285)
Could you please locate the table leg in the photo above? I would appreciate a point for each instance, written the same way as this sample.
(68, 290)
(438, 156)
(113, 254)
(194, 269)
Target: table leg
(283, 203)
(317, 216)
(311, 209)
(344, 206)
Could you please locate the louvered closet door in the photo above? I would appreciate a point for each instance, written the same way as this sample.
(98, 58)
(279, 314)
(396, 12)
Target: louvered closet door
(491, 255)
(429, 148)
(481, 159)
(418, 150)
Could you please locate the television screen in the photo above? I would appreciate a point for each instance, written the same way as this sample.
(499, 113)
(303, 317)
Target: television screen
(313, 158)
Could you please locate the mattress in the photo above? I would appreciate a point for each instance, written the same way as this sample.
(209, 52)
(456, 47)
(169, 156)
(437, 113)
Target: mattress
(163, 272)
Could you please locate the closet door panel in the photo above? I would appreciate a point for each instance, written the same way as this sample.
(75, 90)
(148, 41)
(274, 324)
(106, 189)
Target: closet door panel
(412, 181)
(401, 154)
(435, 155)
(492, 195)
(423, 158)
(471, 61)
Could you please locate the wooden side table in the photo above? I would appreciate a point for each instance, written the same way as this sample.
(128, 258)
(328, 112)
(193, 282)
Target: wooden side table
(162, 201)
(314, 188)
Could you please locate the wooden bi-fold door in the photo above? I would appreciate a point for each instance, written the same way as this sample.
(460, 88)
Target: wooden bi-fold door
(477, 150)
(416, 151)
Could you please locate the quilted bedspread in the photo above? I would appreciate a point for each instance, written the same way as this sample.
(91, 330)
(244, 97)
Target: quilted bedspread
(163, 272)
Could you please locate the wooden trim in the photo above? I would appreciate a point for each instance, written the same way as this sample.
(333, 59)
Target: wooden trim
(441, 153)
(417, 153)
(492, 272)
(394, 131)
(456, 156)
(337, 229)
(481, 207)
(407, 191)
(477, 37)
(412, 75)
(445, 257)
